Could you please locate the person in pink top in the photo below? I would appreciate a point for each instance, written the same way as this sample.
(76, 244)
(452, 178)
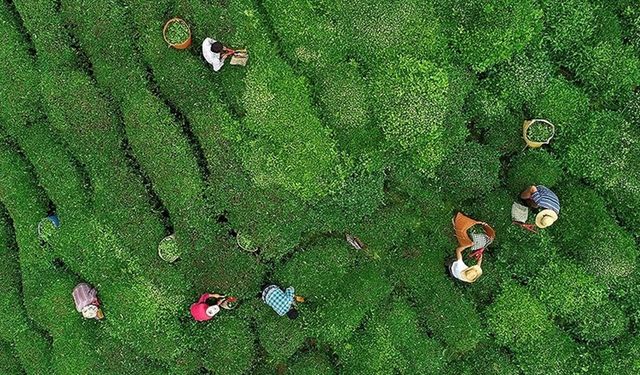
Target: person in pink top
(209, 305)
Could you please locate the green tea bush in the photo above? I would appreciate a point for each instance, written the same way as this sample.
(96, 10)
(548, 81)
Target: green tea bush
(234, 350)
(567, 107)
(442, 309)
(520, 323)
(279, 336)
(380, 31)
(471, 170)
(346, 105)
(360, 291)
(9, 363)
(486, 359)
(608, 252)
(568, 25)
(575, 297)
(487, 33)
(522, 78)
(412, 97)
(318, 271)
(609, 71)
(391, 343)
(279, 151)
(533, 167)
(308, 38)
(311, 364)
(621, 358)
(499, 125)
(606, 153)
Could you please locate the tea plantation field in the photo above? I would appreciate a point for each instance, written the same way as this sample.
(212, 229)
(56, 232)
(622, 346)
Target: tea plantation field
(375, 118)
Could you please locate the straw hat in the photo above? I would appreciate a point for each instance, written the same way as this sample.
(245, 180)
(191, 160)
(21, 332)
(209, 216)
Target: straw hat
(545, 218)
(90, 311)
(472, 273)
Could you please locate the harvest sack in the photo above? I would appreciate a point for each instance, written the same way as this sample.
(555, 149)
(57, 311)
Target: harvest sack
(462, 223)
(519, 213)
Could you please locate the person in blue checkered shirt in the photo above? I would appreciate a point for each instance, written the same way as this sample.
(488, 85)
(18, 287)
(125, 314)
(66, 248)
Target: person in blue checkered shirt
(282, 302)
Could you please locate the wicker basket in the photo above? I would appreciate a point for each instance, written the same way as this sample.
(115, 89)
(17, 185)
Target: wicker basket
(183, 45)
(167, 257)
(538, 122)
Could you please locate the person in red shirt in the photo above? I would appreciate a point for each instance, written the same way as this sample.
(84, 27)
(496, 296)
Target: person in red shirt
(209, 305)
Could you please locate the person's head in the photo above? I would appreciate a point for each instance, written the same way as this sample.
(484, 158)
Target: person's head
(90, 312)
(546, 218)
(472, 273)
(217, 47)
(292, 314)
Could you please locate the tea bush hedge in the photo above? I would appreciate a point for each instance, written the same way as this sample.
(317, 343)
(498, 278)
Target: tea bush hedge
(377, 119)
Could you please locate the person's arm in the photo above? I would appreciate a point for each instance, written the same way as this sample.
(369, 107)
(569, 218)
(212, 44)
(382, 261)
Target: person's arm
(527, 193)
(459, 250)
(290, 292)
(206, 296)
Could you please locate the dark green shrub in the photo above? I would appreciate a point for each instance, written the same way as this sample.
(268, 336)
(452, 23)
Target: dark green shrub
(621, 358)
(608, 156)
(520, 323)
(9, 363)
(309, 39)
(318, 270)
(487, 33)
(380, 31)
(499, 125)
(279, 151)
(280, 336)
(566, 106)
(442, 308)
(486, 359)
(568, 25)
(609, 71)
(360, 291)
(471, 170)
(344, 99)
(391, 343)
(234, 350)
(311, 364)
(533, 167)
(522, 78)
(608, 251)
(570, 294)
(412, 104)
(517, 319)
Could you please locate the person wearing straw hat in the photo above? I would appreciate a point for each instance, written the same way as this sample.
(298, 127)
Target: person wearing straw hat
(215, 53)
(542, 197)
(86, 300)
(463, 272)
(209, 305)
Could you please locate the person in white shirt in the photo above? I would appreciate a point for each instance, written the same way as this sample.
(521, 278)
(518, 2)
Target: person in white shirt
(215, 53)
(461, 271)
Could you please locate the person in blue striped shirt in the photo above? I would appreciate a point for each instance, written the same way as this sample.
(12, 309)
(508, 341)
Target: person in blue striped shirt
(539, 196)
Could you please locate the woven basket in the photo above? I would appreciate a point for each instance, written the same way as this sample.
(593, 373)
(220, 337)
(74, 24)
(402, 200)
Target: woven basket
(183, 45)
(166, 257)
(538, 122)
